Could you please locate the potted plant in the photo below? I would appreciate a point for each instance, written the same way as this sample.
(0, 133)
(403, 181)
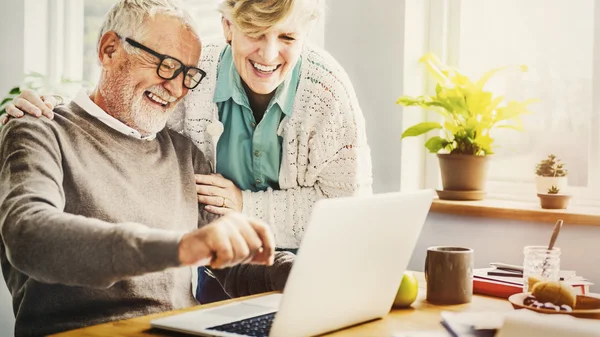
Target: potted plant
(554, 199)
(469, 114)
(550, 172)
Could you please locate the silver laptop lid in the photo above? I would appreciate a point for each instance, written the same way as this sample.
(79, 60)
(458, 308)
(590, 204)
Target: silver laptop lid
(350, 262)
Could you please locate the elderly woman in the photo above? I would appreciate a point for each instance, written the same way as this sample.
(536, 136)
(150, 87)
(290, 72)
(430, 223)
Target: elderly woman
(279, 118)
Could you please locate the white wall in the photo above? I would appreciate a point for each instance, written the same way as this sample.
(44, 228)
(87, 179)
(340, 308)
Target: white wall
(11, 40)
(11, 71)
(367, 39)
(500, 240)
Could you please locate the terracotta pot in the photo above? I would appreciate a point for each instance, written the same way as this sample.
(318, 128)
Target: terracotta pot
(462, 172)
(554, 201)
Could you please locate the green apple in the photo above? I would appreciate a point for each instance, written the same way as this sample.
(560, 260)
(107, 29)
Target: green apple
(407, 292)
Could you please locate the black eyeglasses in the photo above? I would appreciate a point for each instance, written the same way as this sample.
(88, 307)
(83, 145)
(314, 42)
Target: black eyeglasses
(170, 67)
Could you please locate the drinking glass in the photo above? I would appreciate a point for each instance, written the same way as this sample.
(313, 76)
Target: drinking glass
(540, 263)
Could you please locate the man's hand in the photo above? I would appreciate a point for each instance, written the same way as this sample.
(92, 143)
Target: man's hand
(220, 195)
(227, 241)
(32, 103)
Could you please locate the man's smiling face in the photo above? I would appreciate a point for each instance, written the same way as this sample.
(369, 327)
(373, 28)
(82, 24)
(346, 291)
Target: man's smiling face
(132, 90)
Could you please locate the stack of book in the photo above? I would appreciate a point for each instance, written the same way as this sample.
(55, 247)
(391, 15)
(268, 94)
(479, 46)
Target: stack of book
(503, 280)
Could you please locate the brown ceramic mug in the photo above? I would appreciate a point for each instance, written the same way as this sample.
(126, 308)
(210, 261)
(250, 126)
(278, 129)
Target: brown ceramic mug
(449, 275)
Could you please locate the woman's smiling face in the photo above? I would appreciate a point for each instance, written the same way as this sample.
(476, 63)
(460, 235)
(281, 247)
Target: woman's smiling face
(264, 61)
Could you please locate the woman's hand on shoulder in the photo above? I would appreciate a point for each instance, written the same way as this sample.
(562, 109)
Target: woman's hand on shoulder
(30, 102)
(219, 194)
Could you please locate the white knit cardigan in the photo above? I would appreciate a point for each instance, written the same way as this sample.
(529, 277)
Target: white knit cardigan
(324, 152)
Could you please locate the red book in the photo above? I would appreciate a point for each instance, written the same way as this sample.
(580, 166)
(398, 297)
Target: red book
(495, 288)
(505, 290)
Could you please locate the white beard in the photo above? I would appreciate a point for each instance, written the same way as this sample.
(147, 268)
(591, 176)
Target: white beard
(132, 108)
(148, 117)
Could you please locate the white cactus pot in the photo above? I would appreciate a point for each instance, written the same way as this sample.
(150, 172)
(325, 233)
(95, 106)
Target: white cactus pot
(543, 184)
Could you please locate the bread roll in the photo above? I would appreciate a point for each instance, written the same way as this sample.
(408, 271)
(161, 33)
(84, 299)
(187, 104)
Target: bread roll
(531, 281)
(557, 293)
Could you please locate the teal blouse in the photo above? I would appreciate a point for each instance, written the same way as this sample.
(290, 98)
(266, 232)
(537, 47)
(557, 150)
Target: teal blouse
(249, 154)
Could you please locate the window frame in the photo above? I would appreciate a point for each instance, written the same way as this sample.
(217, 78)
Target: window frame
(55, 28)
(62, 20)
(440, 33)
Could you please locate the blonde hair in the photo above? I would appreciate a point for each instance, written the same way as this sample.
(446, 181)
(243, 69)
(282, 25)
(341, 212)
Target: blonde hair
(255, 18)
(126, 18)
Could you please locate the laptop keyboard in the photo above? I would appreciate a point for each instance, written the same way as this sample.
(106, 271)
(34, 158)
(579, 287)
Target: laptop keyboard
(258, 326)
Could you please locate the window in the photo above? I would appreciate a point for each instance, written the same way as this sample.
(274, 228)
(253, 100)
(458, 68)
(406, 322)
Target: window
(65, 53)
(205, 13)
(560, 43)
(94, 12)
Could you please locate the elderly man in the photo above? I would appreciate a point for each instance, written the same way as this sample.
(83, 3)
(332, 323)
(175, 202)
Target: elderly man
(98, 208)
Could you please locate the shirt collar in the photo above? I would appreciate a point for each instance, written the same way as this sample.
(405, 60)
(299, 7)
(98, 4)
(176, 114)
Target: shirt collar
(83, 100)
(229, 85)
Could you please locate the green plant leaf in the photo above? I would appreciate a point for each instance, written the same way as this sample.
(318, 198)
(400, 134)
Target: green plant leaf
(458, 105)
(478, 102)
(510, 126)
(34, 74)
(511, 110)
(450, 126)
(6, 100)
(420, 129)
(424, 102)
(15, 91)
(489, 110)
(435, 144)
(483, 80)
(410, 101)
(472, 123)
(435, 68)
(484, 142)
(463, 83)
(550, 167)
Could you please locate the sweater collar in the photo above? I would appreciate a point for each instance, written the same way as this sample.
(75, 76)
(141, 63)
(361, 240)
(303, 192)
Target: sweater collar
(83, 100)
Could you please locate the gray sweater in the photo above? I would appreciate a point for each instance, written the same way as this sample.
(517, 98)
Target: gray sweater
(91, 220)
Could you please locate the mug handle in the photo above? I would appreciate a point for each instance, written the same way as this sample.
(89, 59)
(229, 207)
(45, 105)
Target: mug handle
(426, 264)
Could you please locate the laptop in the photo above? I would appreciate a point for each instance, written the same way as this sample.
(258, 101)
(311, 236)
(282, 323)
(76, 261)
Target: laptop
(347, 271)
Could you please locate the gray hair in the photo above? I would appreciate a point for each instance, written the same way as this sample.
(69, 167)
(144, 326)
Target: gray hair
(126, 18)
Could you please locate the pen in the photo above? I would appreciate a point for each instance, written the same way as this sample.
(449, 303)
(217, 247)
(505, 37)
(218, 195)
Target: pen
(497, 273)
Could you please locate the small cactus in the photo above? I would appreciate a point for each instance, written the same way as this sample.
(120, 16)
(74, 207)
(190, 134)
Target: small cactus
(551, 167)
(553, 190)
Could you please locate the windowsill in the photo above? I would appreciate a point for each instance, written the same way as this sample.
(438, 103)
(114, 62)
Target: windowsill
(518, 210)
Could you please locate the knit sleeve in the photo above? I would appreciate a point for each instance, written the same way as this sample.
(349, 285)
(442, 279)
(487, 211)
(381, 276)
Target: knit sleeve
(288, 211)
(248, 279)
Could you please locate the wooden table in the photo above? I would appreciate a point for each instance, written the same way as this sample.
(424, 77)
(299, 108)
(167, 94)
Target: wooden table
(422, 316)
